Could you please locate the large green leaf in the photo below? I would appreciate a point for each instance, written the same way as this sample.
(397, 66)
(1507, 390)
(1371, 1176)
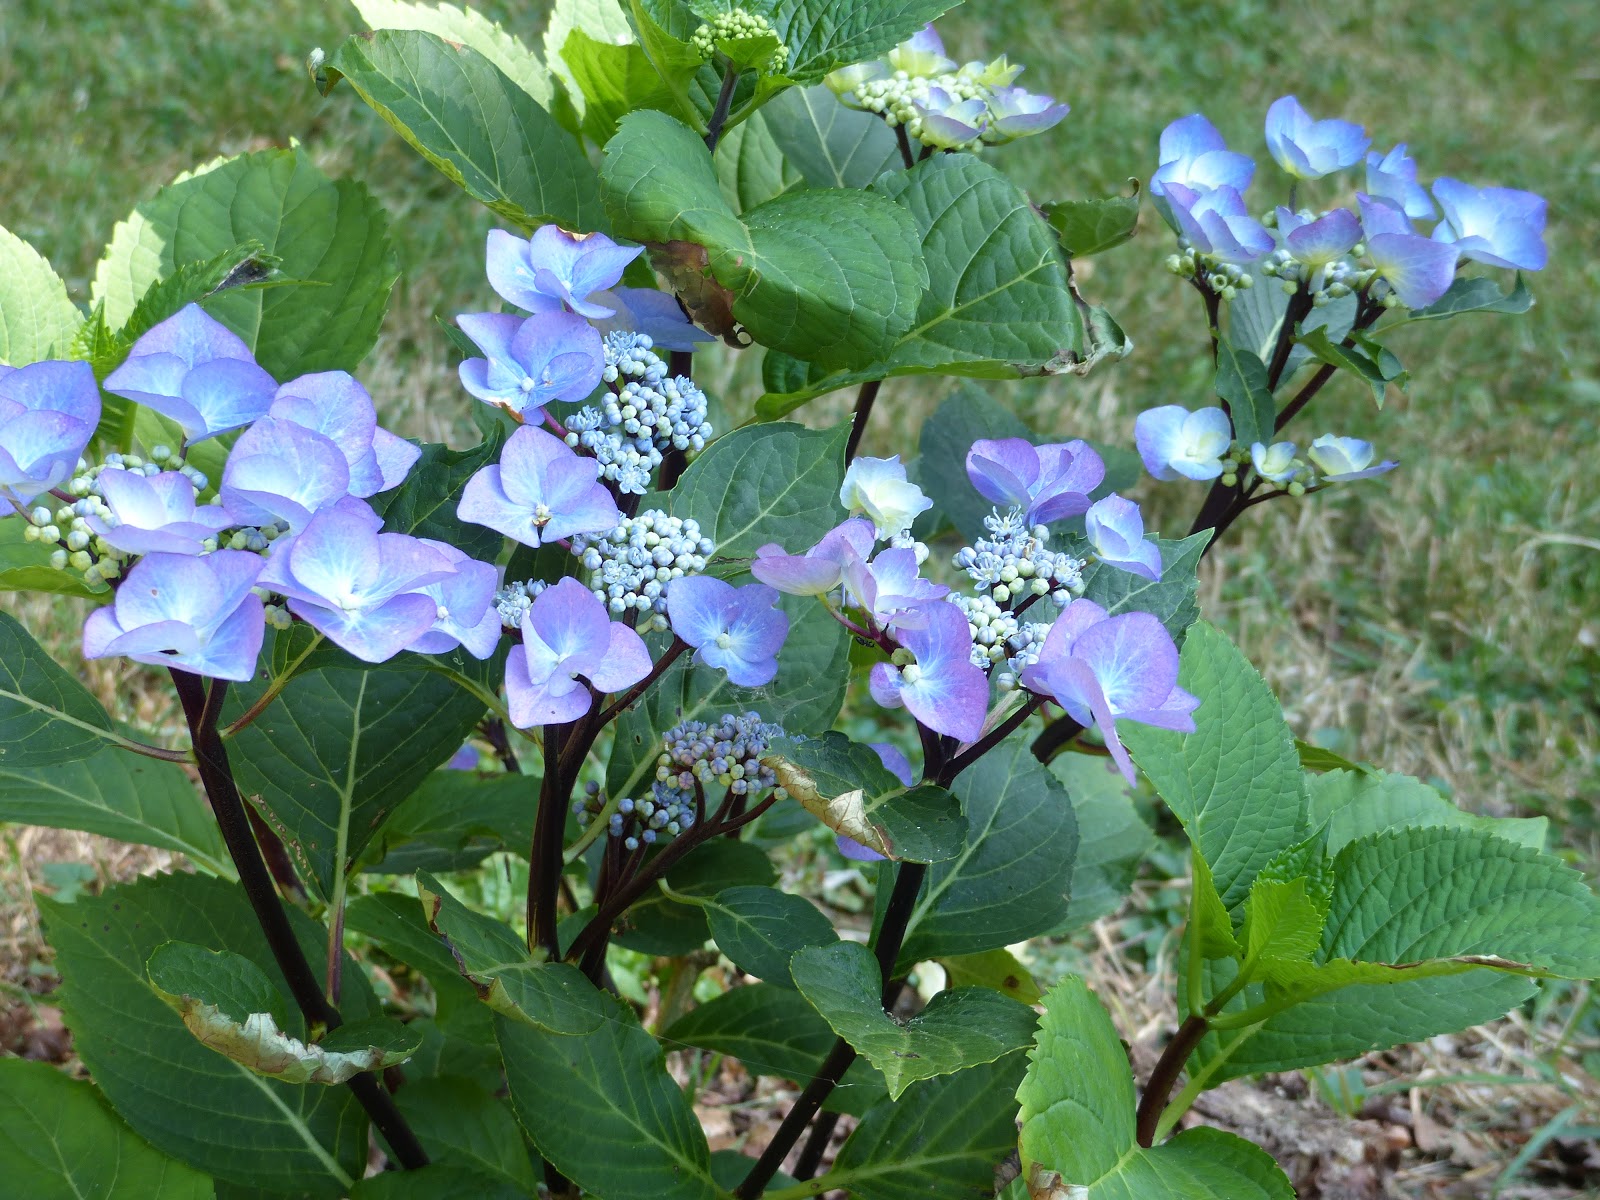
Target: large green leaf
(1348, 805)
(943, 1137)
(46, 716)
(117, 794)
(1112, 837)
(761, 928)
(751, 167)
(1087, 227)
(467, 27)
(1078, 1122)
(465, 1126)
(997, 304)
(37, 318)
(603, 1110)
(1242, 383)
(659, 925)
(600, 20)
(460, 112)
(831, 146)
(770, 1029)
(438, 1181)
(398, 924)
(1172, 598)
(1235, 782)
(959, 1028)
(455, 820)
(611, 81)
(338, 750)
(1013, 877)
(832, 274)
(329, 236)
(60, 1141)
(823, 34)
(184, 1098)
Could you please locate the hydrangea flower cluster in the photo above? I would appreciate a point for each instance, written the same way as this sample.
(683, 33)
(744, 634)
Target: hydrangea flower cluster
(944, 106)
(1015, 561)
(727, 753)
(1178, 444)
(632, 563)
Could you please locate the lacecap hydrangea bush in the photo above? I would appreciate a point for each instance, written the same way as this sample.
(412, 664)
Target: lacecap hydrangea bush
(610, 643)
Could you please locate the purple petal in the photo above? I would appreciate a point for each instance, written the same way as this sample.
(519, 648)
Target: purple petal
(1419, 269)
(657, 315)
(279, 470)
(1003, 470)
(531, 702)
(895, 760)
(572, 623)
(1329, 237)
(1078, 678)
(625, 663)
(695, 606)
(1134, 658)
(855, 851)
(511, 274)
(373, 634)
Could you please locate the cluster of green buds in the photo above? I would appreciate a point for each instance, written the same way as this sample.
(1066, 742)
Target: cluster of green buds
(76, 546)
(1333, 281)
(1225, 279)
(745, 38)
(161, 458)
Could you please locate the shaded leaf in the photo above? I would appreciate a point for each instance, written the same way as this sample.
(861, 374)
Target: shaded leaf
(761, 928)
(772, 1030)
(829, 144)
(46, 716)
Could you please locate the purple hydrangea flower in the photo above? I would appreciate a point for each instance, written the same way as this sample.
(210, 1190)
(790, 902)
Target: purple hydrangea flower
(1319, 242)
(737, 630)
(1310, 149)
(942, 688)
(657, 315)
(466, 613)
(1116, 531)
(155, 514)
(921, 54)
(1193, 155)
(877, 488)
(1174, 442)
(565, 634)
(539, 491)
(1274, 463)
(1419, 269)
(48, 413)
(281, 471)
(1099, 668)
(1341, 459)
(464, 759)
(1050, 483)
(821, 568)
(194, 370)
(548, 356)
(1393, 177)
(359, 587)
(899, 766)
(1502, 227)
(555, 268)
(1216, 222)
(947, 122)
(890, 584)
(334, 404)
(1016, 112)
(178, 610)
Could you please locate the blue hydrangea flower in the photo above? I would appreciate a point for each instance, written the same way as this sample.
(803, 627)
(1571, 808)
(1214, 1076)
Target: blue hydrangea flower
(1310, 149)
(656, 315)
(464, 759)
(1393, 177)
(335, 405)
(1419, 269)
(921, 54)
(48, 413)
(1016, 112)
(540, 491)
(1341, 459)
(1049, 483)
(152, 514)
(820, 569)
(1193, 155)
(177, 610)
(566, 634)
(1274, 463)
(1174, 442)
(1116, 531)
(889, 585)
(937, 681)
(1100, 668)
(899, 766)
(529, 363)
(877, 488)
(1217, 223)
(1502, 227)
(281, 471)
(357, 586)
(555, 268)
(466, 614)
(946, 122)
(737, 630)
(194, 370)
(1319, 242)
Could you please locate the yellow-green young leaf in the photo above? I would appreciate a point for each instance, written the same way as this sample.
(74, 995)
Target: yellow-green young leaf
(470, 28)
(602, 20)
(1216, 927)
(997, 969)
(958, 1029)
(1088, 227)
(46, 716)
(1352, 803)
(37, 318)
(611, 81)
(1078, 1123)
(60, 1141)
(1285, 912)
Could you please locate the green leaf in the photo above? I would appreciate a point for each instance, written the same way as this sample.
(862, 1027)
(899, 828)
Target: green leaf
(1172, 598)
(613, 81)
(770, 1029)
(1242, 383)
(1466, 295)
(330, 237)
(997, 304)
(25, 567)
(46, 716)
(1351, 804)
(602, 1109)
(399, 926)
(461, 113)
(1377, 373)
(761, 928)
(601, 20)
(465, 1126)
(1285, 912)
(846, 786)
(1112, 838)
(1078, 1122)
(1235, 783)
(1087, 227)
(60, 1141)
(338, 750)
(1318, 758)
(438, 1181)
(552, 997)
(823, 35)
(997, 969)
(958, 1029)
(468, 27)
(659, 925)
(425, 504)
(187, 1100)
(1211, 917)
(944, 1137)
(37, 319)
(1012, 879)
(117, 794)
(830, 145)
(751, 167)
(454, 821)
(844, 299)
